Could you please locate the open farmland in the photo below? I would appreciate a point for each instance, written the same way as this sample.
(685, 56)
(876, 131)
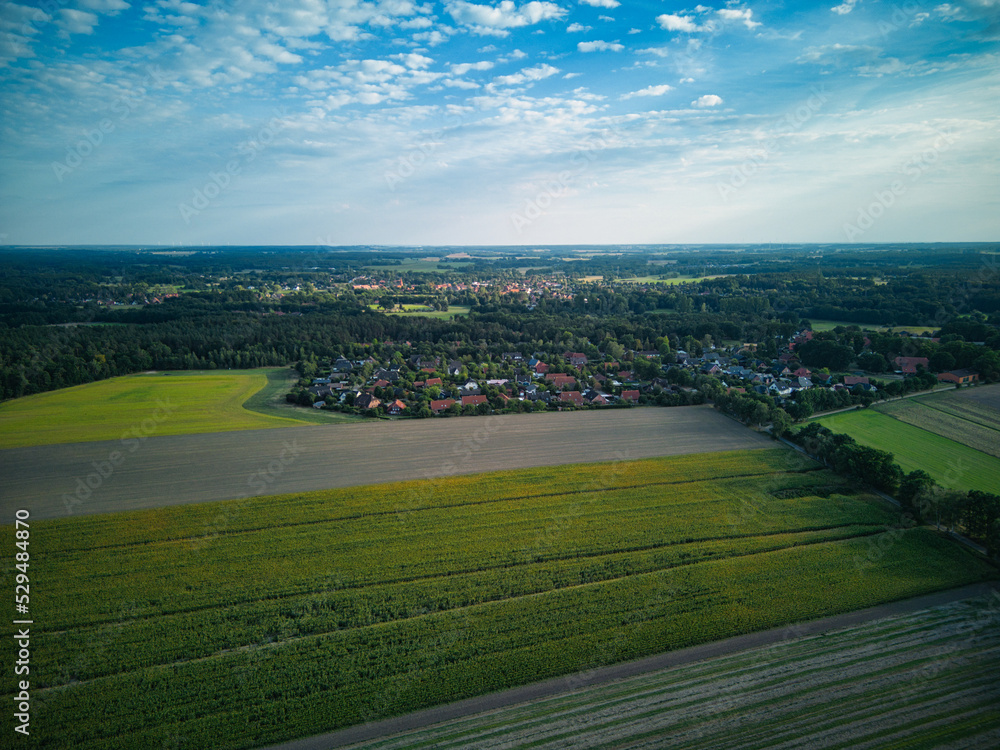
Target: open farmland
(985, 396)
(253, 621)
(951, 464)
(954, 418)
(52, 481)
(176, 403)
(921, 679)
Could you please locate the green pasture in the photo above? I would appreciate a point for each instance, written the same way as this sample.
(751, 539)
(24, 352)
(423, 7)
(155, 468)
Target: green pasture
(174, 403)
(951, 464)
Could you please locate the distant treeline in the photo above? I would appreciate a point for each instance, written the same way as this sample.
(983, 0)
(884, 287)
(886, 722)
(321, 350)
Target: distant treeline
(229, 309)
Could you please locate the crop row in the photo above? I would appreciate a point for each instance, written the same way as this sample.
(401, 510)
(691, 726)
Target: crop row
(87, 587)
(249, 697)
(917, 680)
(202, 521)
(139, 642)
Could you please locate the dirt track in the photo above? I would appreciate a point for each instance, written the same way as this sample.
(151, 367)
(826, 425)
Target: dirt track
(177, 469)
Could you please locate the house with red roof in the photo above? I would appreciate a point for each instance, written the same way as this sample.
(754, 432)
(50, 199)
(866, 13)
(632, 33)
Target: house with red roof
(442, 404)
(909, 365)
(573, 397)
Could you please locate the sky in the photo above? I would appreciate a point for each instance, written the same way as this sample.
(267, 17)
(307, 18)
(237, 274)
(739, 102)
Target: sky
(392, 122)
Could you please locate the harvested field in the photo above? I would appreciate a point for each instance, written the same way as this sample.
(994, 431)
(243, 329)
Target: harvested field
(987, 396)
(925, 679)
(946, 418)
(242, 623)
(54, 481)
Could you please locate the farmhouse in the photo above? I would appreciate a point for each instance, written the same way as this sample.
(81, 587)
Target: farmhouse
(473, 400)
(959, 377)
(441, 405)
(909, 365)
(396, 407)
(630, 396)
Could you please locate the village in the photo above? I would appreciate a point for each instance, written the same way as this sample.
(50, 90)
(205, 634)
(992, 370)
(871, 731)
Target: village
(424, 386)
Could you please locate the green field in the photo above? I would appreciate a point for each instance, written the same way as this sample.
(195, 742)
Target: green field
(176, 403)
(828, 325)
(874, 685)
(248, 622)
(423, 266)
(453, 311)
(951, 464)
(952, 417)
(675, 280)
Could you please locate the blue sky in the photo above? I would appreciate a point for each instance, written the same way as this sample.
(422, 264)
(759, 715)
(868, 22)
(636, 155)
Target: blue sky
(459, 122)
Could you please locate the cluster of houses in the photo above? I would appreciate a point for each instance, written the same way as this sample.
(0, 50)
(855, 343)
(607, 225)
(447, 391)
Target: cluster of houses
(442, 386)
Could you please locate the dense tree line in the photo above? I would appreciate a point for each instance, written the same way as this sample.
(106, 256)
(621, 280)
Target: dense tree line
(976, 514)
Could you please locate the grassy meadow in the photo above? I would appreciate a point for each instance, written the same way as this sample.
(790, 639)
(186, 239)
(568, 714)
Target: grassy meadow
(423, 311)
(254, 621)
(950, 463)
(176, 403)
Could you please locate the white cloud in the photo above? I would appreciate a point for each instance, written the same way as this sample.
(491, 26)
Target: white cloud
(487, 19)
(708, 100)
(734, 14)
(461, 69)
(657, 51)
(575, 27)
(845, 7)
(76, 22)
(635, 31)
(601, 3)
(649, 91)
(369, 81)
(671, 22)
(413, 60)
(111, 7)
(18, 23)
(431, 38)
(526, 75)
(599, 46)
(420, 22)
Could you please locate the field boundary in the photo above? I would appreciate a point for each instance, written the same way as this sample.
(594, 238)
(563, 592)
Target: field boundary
(614, 672)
